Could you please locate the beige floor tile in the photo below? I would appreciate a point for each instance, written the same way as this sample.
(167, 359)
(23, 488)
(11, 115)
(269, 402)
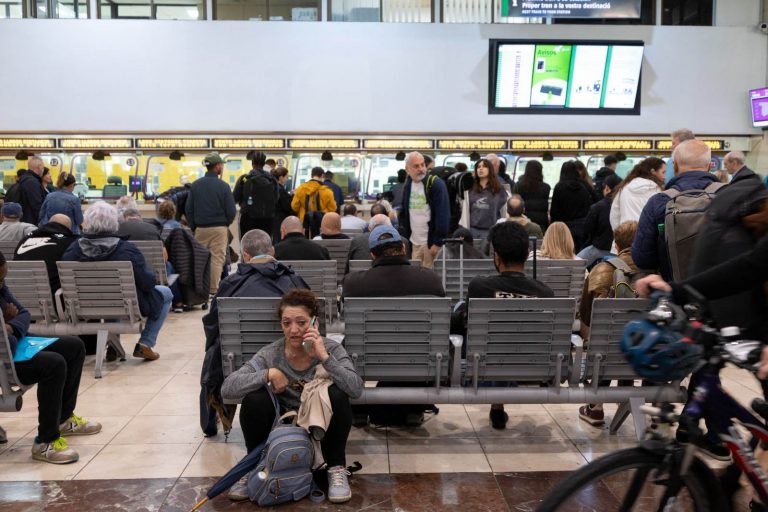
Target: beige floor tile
(532, 454)
(235, 436)
(111, 404)
(594, 449)
(160, 430)
(519, 425)
(139, 461)
(368, 433)
(16, 428)
(186, 381)
(214, 459)
(125, 384)
(17, 464)
(452, 421)
(437, 456)
(511, 408)
(172, 404)
(373, 455)
(577, 429)
(110, 427)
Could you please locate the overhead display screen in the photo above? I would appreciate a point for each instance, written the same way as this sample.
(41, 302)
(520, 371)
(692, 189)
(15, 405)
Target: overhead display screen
(571, 9)
(566, 77)
(759, 100)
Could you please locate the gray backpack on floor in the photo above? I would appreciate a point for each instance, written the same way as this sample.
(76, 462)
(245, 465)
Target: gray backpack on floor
(284, 472)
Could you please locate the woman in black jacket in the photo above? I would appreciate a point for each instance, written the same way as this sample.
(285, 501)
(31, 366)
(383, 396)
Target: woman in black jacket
(571, 201)
(283, 208)
(535, 193)
(598, 233)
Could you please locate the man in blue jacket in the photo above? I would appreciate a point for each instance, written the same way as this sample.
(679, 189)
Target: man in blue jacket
(210, 210)
(424, 218)
(691, 164)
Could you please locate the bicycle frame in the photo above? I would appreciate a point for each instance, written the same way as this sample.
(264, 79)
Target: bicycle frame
(711, 402)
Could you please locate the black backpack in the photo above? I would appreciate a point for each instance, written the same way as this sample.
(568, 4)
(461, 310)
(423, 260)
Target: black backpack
(312, 218)
(259, 195)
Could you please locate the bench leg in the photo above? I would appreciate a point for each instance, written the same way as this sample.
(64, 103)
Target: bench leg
(624, 410)
(113, 340)
(101, 351)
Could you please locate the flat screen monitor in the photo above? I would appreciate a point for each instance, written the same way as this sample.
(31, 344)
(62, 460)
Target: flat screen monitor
(565, 77)
(759, 104)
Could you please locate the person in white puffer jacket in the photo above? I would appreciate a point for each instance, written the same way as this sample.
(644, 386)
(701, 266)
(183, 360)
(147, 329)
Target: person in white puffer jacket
(645, 180)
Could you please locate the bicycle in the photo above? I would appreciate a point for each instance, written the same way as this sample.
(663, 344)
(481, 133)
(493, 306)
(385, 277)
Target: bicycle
(661, 473)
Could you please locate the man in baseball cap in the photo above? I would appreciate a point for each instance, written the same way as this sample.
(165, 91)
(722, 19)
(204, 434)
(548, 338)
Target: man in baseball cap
(12, 229)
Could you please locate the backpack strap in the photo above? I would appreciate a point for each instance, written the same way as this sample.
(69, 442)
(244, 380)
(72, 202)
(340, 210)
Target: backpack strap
(714, 187)
(671, 193)
(619, 264)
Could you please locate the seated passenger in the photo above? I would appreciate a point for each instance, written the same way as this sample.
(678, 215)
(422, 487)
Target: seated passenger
(391, 274)
(295, 245)
(358, 249)
(286, 366)
(12, 229)
(598, 234)
(63, 201)
(599, 285)
(260, 275)
(56, 370)
(133, 227)
(516, 213)
(350, 220)
(48, 243)
(166, 218)
(557, 244)
(330, 228)
(510, 250)
(125, 203)
(101, 243)
(451, 249)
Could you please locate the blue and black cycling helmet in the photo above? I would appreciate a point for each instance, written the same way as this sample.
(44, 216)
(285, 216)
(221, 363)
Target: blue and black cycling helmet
(657, 353)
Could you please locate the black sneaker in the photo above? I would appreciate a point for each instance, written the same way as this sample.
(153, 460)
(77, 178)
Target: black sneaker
(499, 419)
(717, 451)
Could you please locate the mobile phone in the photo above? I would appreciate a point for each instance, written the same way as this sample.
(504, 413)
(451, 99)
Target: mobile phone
(307, 344)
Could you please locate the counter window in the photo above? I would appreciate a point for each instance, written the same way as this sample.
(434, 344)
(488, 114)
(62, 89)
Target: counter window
(267, 10)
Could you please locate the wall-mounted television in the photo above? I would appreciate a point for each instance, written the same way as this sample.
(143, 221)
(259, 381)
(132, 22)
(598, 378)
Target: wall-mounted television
(564, 77)
(759, 105)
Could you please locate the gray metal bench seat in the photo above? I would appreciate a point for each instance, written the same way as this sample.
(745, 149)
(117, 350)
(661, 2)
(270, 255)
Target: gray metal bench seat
(321, 278)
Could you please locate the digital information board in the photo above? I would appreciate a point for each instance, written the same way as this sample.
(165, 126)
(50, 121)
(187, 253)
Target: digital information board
(571, 9)
(565, 77)
(759, 105)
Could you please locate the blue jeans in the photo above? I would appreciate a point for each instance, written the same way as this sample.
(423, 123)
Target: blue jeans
(592, 254)
(175, 289)
(152, 327)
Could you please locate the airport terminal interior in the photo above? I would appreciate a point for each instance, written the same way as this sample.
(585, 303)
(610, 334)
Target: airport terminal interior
(131, 102)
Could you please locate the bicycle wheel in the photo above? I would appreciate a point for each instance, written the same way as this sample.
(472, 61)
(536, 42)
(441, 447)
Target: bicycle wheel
(634, 480)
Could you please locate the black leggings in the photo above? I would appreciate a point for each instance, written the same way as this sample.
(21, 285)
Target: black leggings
(257, 415)
(56, 369)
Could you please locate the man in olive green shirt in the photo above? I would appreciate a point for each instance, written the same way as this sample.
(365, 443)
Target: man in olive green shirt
(516, 213)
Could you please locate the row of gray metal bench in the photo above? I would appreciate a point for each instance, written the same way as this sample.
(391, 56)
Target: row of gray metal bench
(509, 340)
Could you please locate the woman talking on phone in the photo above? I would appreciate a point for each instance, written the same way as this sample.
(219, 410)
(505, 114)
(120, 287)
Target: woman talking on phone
(286, 366)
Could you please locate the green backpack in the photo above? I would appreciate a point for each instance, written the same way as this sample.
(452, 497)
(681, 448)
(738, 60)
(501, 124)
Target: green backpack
(623, 280)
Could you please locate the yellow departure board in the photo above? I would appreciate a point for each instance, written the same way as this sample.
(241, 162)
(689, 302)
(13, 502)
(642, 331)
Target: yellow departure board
(26, 143)
(399, 144)
(544, 145)
(324, 144)
(472, 144)
(248, 143)
(618, 144)
(173, 143)
(95, 143)
(714, 144)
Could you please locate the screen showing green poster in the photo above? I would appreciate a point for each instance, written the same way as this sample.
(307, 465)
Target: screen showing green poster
(551, 68)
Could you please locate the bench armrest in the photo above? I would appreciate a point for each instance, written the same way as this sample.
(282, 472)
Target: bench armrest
(58, 305)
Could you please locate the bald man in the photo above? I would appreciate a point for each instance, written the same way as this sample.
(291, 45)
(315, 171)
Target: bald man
(691, 166)
(48, 243)
(330, 228)
(735, 165)
(30, 191)
(295, 245)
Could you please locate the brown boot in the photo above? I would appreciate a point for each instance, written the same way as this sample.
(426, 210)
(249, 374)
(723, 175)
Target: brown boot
(145, 352)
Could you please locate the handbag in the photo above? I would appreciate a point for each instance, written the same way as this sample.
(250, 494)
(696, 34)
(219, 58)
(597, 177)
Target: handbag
(29, 346)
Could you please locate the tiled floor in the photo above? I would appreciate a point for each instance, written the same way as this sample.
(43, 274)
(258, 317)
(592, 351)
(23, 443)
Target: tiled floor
(151, 454)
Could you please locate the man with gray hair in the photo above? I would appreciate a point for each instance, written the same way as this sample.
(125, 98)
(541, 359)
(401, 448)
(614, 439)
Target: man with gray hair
(691, 166)
(736, 167)
(425, 216)
(101, 243)
(133, 227)
(358, 249)
(31, 193)
(258, 275)
(678, 137)
(516, 213)
(13, 229)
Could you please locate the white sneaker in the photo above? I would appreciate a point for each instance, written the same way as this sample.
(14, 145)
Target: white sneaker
(55, 452)
(338, 485)
(239, 491)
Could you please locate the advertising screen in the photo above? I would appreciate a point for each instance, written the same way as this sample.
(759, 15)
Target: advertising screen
(759, 101)
(576, 77)
(572, 9)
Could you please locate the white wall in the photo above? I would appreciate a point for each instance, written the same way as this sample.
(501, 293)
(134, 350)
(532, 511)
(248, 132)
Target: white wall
(735, 13)
(156, 76)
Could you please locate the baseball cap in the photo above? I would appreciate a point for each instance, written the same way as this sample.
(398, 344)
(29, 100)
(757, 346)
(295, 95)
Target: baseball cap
(11, 210)
(212, 159)
(375, 238)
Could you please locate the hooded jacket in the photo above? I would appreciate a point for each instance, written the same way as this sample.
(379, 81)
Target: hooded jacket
(31, 197)
(192, 261)
(600, 176)
(629, 204)
(48, 243)
(570, 200)
(111, 248)
(267, 278)
(308, 190)
(649, 250)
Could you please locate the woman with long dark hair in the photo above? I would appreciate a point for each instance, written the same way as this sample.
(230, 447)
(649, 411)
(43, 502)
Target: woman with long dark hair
(644, 180)
(484, 203)
(571, 200)
(535, 193)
